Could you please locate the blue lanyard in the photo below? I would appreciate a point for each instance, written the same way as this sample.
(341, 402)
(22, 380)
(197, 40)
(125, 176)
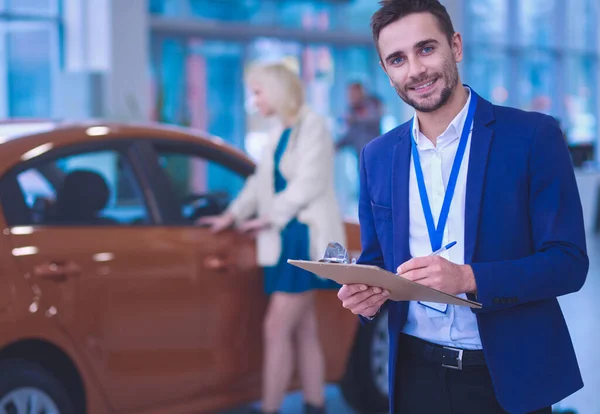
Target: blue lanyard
(436, 235)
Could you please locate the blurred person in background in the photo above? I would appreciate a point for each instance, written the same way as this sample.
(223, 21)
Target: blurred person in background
(499, 182)
(290, 204)
(363, 120)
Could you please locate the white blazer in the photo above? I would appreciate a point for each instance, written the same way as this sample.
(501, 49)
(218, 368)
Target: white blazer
(307, 165)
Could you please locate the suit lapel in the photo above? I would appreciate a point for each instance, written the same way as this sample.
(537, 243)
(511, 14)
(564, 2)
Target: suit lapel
(400, 194)
(481, 140)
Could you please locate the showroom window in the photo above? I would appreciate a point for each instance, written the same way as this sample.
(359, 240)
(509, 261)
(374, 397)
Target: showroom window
(528, 55)
(29, 57)
(517, 53)
(315, 15)
(198, 82)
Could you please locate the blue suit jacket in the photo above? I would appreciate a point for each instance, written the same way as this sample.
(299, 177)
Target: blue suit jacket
(524, 238)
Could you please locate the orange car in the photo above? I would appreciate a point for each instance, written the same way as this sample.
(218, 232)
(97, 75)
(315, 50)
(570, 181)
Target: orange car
(113, 301)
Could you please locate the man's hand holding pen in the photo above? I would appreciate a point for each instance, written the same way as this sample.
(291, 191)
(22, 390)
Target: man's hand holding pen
(432, 271)
(438, 273)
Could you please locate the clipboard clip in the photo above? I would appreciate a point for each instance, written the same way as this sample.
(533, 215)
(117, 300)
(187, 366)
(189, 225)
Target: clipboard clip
(336, 253)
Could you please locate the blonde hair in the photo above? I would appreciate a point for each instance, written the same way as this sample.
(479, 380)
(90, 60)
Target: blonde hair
(283, 87)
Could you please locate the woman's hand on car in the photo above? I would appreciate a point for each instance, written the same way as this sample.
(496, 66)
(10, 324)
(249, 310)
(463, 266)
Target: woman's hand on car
(217, 223)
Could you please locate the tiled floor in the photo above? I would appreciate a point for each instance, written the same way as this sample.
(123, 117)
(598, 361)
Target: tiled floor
(582, 312)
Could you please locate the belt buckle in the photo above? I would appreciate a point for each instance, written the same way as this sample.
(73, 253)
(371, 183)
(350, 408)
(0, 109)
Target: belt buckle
(459, 362)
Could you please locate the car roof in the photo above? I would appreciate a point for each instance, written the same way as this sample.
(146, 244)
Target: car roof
(22, 140)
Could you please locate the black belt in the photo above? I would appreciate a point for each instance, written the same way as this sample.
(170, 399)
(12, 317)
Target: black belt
(448, 357)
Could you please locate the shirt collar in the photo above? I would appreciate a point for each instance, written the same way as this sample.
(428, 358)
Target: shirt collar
(454, 129)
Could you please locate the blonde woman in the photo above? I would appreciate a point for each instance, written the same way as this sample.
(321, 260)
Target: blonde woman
(290, 204)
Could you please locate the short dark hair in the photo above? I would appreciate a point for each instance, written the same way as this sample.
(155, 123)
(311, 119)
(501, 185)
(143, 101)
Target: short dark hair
(394, 10)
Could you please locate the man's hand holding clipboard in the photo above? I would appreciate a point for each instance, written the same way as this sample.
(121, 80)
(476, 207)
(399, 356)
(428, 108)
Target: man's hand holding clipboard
(432, 271)
(431, 280)
(363, 300)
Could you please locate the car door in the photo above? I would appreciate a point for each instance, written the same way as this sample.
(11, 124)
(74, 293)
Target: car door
(86, 231)
(202, 182)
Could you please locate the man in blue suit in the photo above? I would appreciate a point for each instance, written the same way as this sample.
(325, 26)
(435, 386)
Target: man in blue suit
(497, 181)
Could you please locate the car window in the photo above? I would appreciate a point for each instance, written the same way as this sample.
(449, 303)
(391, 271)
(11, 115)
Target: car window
(91, 188)
(202, 187)
(36, 186)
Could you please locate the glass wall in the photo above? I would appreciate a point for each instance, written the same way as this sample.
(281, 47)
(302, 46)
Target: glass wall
(518, 53)
(197, 84)
(326, 66)
(29, 57)
(326, 15)
(539, 55)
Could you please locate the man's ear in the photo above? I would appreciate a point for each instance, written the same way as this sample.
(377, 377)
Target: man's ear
(457, 47)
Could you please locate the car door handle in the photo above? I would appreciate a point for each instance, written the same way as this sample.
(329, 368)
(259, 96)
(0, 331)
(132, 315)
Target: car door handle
(57, 271)
(215, 263)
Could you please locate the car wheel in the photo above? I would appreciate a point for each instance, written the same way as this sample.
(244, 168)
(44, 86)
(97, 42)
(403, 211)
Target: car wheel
(365, 383)
(26, 387)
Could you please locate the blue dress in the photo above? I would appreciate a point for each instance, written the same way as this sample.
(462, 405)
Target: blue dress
(284, 277)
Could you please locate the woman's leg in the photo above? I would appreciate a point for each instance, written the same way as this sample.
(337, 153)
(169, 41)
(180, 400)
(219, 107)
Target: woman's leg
(283, 315)
(311, 361)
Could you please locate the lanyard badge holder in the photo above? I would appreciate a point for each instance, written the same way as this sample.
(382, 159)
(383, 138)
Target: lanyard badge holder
(436, 234)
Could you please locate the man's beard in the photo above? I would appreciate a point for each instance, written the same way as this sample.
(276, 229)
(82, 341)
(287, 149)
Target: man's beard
(431, 104)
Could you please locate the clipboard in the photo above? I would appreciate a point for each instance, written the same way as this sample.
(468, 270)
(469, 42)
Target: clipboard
(400, 289)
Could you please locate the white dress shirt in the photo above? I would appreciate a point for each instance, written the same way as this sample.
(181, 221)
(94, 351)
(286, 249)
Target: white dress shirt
(457, 327)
